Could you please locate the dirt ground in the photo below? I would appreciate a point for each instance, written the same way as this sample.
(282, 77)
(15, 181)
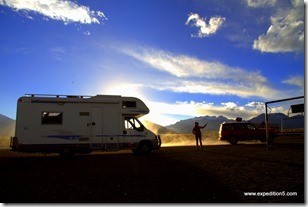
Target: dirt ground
(217, 174)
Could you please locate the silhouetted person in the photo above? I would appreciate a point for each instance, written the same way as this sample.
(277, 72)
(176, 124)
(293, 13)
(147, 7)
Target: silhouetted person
(197, 132)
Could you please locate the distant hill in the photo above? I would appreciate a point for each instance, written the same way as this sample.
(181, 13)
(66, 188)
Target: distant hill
(185, 126)
(4, 120)
(274, 118)
(7, 128)
(279, 119)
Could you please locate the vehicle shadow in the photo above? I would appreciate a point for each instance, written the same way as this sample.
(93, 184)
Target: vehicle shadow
(107, 178)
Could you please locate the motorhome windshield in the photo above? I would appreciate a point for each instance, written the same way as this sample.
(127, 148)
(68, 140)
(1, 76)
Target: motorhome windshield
(133, 123)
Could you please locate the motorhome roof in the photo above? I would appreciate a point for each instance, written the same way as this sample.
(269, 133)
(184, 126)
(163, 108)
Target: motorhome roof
(51, 98)
(70, 96)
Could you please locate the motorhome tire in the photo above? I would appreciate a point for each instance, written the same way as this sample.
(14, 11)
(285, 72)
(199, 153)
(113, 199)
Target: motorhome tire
(144, 148)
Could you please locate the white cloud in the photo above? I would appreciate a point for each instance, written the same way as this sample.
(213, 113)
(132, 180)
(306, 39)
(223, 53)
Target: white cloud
(286, 33)
(230, 105)
(185, 66)
(191, 75)
(217, 87)
(255, 104)
(65, 11)
(296, 80)
(260, 3)
(87, 33)
(205, 29)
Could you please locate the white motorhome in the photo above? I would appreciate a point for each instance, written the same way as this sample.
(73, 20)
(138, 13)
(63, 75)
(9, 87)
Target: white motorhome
(81, 124)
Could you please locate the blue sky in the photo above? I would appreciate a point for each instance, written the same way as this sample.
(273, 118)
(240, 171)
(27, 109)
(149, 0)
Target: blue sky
(183, 58)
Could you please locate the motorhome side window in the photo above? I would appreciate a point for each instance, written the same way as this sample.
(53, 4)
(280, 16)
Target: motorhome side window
(129, 104)
(133, 123)
(52, 117)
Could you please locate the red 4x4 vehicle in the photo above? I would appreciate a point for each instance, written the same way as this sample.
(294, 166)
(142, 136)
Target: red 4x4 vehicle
(239, 131)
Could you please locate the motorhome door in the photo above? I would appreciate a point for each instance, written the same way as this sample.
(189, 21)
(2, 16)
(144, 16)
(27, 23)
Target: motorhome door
(96, 124)
(111, 128)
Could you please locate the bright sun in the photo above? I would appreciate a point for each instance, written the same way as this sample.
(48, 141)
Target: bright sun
(124, 89)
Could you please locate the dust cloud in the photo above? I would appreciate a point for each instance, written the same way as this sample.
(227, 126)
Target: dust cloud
(208, 138)
(170, 138)
(5, 141)
(5, 136)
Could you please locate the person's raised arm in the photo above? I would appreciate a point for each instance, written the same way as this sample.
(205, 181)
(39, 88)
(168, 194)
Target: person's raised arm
(204, 125)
